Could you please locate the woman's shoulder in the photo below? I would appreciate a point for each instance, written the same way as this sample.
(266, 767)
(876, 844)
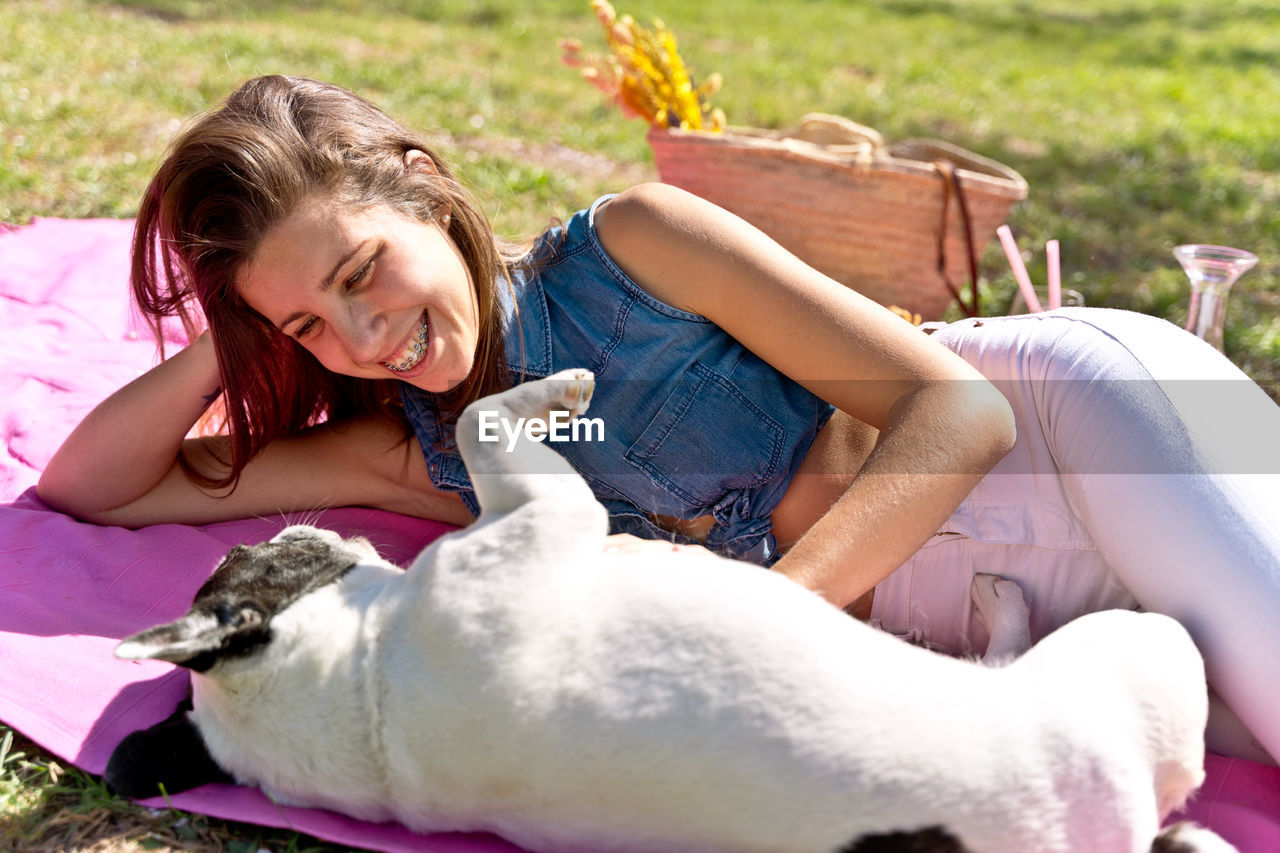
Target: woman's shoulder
(598, 223)
(577, 267)
(659, 235)
(641, 204)
(637, 219)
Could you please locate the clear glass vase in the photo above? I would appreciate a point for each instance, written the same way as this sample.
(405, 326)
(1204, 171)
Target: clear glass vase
(1212, 270)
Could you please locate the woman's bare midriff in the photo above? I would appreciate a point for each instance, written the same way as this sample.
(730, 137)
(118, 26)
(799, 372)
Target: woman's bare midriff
(837, 454)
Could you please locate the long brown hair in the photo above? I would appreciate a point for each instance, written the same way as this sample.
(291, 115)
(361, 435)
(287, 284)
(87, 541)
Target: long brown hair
(237, 171)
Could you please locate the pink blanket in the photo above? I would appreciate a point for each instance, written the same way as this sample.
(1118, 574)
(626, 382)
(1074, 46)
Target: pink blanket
(70, 591)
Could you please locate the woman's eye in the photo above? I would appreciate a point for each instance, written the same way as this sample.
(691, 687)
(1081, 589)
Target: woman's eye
(305, 329)
(359, 275)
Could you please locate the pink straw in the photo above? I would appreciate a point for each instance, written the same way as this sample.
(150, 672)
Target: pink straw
(1019, 268)
(1055, 274)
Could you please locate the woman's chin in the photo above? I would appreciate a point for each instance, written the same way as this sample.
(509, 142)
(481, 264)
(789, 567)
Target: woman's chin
(438, 381)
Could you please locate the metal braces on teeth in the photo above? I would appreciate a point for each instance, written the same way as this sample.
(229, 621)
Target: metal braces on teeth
(419, 346)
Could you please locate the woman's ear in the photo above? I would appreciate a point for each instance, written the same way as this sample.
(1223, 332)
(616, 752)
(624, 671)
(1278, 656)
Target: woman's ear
(415, 159)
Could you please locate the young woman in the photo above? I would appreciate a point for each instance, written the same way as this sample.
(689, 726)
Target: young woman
(356, 299)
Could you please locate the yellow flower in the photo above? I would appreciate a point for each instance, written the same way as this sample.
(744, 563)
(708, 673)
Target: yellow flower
(604, 11)
(644, 74)
(912, 318)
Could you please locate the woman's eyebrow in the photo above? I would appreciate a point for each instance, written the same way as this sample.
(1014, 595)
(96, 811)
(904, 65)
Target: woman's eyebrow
(325, 285)
(333, 273)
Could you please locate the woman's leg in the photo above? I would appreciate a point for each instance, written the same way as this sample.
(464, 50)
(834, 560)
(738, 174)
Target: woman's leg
(1170, 457)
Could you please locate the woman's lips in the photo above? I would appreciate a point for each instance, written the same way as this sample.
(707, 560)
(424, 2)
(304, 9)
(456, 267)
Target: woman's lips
(413, 349)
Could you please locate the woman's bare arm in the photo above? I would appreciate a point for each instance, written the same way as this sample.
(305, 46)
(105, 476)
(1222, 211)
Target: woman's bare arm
(130, 441)
(941, 425)
(120, 465)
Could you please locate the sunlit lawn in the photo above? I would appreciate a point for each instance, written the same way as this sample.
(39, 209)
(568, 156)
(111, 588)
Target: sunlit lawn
(1139, 125)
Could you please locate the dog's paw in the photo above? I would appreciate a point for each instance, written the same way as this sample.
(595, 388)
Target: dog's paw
(570, 390)
(997, 599)
(1004, 613)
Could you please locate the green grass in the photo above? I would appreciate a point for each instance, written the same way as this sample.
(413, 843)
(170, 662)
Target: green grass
(1140, 124)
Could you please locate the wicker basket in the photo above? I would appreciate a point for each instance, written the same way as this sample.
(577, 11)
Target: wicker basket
(889, 221)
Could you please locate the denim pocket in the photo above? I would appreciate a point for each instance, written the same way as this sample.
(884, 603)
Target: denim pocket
(708, 438)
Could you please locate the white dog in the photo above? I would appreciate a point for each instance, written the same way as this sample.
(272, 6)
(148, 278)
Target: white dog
(519, 680)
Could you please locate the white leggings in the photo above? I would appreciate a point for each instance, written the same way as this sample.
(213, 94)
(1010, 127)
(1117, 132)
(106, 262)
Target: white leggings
(1146, 473)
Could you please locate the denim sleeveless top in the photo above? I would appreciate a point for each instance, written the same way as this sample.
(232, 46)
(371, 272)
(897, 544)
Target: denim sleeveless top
(694, 424)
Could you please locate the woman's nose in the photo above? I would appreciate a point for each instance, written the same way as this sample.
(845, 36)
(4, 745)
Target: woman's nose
(360, 332)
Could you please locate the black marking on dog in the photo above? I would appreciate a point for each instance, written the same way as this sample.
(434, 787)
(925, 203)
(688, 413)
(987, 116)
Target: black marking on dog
(248, 628)
(170, 753)
(1170, 840)
(271, 576)
(231, 616)
(251, 585)
(933, 839)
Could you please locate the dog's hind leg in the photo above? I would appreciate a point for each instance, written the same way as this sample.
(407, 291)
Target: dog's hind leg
(1003, 611)
(507, 466)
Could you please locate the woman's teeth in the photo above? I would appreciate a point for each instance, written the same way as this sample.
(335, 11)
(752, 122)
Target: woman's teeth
(413, 351)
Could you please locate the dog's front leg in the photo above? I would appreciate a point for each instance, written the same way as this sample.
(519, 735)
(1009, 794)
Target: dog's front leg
(507, 466)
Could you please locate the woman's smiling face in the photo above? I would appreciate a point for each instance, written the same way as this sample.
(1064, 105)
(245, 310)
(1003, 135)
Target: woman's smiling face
(370, 292)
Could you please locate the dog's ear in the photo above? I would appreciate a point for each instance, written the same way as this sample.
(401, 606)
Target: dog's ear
(198, 639)
(167, 758)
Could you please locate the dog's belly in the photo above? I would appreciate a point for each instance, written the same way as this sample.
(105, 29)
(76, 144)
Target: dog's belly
(654, 705)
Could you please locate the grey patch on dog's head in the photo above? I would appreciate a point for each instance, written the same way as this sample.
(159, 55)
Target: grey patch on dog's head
(232, 611)
(933, 839)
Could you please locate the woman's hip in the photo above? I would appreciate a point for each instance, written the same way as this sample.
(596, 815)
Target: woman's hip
(1118, 415)
(927, 600)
